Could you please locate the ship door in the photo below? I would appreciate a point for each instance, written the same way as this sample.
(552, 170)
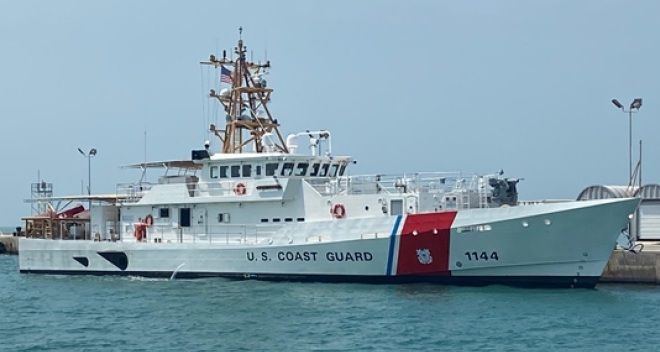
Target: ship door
(411, 205)
(396, 206)
(199, 221)
(184, 217)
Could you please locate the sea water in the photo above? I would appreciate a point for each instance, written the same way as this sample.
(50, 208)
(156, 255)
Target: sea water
(87, 313)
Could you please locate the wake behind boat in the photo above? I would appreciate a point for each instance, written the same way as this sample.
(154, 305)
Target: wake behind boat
(263, 208)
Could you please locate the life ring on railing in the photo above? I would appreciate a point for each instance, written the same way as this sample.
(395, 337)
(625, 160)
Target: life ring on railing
(338, 211)
(149, 220)
(240, 189)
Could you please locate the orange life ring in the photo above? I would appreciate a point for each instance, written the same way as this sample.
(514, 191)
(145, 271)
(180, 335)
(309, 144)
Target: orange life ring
(149, 220)
(240, 189)
(338, 211)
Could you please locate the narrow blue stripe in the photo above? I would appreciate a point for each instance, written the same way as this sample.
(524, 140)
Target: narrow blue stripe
(390, 256)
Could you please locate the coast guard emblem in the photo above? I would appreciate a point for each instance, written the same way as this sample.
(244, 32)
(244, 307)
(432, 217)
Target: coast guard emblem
(424, 256)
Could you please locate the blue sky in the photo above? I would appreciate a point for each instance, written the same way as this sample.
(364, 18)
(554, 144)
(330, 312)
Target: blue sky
(475, 86)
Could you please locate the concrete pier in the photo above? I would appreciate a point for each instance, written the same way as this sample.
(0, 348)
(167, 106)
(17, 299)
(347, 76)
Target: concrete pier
(628, 267)
(8, 244)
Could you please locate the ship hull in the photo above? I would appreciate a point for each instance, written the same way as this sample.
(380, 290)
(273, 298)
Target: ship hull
(547, 245)
(515, 281)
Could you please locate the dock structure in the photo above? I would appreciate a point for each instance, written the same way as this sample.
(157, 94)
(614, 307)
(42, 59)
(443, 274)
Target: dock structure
(625, 266)
(8, 244)
(628, 267)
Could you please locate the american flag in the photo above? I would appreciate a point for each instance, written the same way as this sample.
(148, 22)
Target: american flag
(225, 75)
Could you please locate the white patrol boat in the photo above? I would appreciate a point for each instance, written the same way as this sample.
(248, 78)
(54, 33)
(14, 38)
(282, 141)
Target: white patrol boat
(260, 208)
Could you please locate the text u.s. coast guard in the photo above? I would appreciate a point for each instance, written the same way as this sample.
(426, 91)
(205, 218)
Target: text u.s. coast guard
(309, 256)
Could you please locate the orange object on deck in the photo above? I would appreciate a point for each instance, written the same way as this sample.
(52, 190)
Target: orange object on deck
(140, 231)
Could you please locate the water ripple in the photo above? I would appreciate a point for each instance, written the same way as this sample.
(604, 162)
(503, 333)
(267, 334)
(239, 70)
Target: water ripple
(65, 313)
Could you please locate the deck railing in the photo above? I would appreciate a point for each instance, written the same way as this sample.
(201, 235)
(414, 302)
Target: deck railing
(464, 191)
(211, 234)
(133, 192)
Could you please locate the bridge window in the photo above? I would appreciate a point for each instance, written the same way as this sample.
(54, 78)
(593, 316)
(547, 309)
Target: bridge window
(235, 171)
(287, 169)
(315, 169)
(247, 170)
(257, 170)
(223, 171)
(342, 169)
(271, 169)
(301, 169)
(214, 172)
(324, 170)
(333, 170)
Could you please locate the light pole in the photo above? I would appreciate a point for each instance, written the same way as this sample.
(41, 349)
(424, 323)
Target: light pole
(634, 107)
(89, 155)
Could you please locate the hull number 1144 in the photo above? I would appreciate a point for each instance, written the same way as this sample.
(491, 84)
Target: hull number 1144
(485, 256)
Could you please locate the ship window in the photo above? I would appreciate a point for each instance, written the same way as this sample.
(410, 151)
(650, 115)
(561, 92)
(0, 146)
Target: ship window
(300, 219)
(257, 170)
(247, 170)
(214, 172)
(287, 169)
(315, 169)
(235, 171)
(223, 171)
(333, 170)
(342, 169)
(271, 169)
(301, 169)
(288, 220)
(324, 170)
(164, 212)
(264, 220)
(223, 217)
(276, 219)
